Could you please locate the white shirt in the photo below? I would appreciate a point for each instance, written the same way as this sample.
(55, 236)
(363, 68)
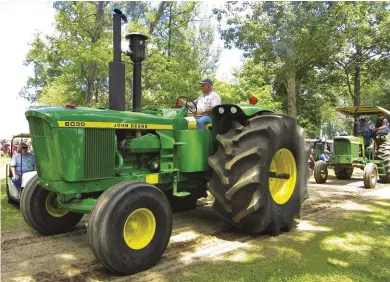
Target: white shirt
(205, 101)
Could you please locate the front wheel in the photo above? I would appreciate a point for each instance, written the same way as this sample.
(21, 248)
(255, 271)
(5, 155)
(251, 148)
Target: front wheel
(320, 172)
(130, 226)
(40, 210)
(370, 175)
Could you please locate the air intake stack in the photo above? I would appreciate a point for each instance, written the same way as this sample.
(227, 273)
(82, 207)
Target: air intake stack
(137, 41)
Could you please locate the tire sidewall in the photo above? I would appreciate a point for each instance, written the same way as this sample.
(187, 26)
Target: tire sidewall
(113, 221)
(289, 140)
(33, 203)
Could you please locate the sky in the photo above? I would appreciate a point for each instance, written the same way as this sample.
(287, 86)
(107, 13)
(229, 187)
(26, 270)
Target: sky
(19, 20)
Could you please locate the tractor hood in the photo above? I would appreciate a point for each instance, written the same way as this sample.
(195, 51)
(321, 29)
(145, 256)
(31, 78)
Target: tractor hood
(251, 110)
(70, 116)
(362, 110)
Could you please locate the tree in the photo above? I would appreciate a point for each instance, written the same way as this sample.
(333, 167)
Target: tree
(289, 37)
(72, 65)
(363, 35)
(73, 62)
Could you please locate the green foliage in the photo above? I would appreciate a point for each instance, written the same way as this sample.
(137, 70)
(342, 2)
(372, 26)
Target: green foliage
(289, 37)
(363, 38)
(72, 65)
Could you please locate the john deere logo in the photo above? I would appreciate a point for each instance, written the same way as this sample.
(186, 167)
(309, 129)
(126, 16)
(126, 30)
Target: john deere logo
(131, 125)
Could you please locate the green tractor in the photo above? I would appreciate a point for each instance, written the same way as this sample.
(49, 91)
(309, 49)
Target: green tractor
(129, 170)
(352, 151)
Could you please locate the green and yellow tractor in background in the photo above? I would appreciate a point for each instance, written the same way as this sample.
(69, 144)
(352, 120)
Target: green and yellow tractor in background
(129, 170)
(352, 151)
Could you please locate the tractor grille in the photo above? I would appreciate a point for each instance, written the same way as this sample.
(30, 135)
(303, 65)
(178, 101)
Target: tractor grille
(99, 153)
(39, 127)
(342, 147)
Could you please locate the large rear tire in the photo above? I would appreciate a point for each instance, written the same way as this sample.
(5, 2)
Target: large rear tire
(39, 209)
(344, 173)
(130, 226)
(260, 172)
(383, 154)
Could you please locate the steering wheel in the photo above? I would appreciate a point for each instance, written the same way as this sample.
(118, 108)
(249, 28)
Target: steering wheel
(187, 106)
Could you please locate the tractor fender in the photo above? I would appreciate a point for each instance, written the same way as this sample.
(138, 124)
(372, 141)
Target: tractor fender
(27, 176)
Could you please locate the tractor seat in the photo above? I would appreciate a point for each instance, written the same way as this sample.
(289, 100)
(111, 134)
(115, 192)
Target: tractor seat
(192, 124)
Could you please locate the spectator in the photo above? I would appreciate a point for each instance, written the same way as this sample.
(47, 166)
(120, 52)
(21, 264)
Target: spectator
(311, 160)
(324, 156)
(21, 163)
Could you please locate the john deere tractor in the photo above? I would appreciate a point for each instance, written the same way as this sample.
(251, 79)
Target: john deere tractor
(353, 151)
(128, 170)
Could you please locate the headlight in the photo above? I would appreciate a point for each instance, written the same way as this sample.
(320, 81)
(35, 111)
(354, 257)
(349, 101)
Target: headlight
(233, 110)
(221, 110)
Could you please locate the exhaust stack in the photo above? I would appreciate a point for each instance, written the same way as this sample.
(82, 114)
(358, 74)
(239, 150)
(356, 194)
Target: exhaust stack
(116, 96)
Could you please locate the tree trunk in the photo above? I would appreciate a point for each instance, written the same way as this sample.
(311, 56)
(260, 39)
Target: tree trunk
(291, 87)
(160, 11)
(169, 32)
(357, 84)
(95, 33)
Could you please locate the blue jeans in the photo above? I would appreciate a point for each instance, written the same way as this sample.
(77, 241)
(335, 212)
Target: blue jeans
(17, 183)
(202, 121)
(382, 132)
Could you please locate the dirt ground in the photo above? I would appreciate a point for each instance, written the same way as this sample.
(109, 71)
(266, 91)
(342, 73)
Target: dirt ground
(198, 237)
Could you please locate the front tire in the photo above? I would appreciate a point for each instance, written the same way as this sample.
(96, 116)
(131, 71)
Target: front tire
(260, 172)
(39, 209)
(130, 226)
(370, 175)
(320, 172)
(9, 200)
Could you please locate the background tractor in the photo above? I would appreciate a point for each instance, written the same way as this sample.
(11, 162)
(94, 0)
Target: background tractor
(128, 170)
(351, 151)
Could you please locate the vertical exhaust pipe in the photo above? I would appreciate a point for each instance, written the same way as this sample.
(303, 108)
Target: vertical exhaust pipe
(137, 41)
(116, 91)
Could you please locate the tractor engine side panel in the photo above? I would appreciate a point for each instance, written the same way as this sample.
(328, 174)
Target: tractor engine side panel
(194, 150)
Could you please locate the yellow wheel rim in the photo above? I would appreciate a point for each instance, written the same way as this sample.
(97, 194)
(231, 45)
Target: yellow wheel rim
(139, 228)
(283, 176)
(52, 207)
(374, 174)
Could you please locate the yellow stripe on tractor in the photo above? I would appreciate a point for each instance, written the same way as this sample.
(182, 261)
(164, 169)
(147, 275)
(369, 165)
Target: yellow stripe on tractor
(122, 125)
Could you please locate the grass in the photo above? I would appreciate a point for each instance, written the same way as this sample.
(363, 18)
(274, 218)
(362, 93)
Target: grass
(348, 244)
(11, 218)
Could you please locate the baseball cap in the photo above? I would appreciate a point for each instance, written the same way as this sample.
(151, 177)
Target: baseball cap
(206, 81)
(381, 114)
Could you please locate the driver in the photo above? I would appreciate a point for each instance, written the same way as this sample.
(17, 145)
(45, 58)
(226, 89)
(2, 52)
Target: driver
(365, 131)
(382, 125)
(204, 104)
